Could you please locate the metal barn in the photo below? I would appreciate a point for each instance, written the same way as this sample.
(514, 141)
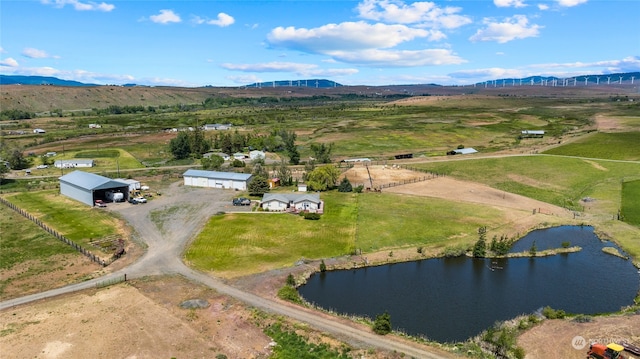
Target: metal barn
(213, 179)
(88, 187)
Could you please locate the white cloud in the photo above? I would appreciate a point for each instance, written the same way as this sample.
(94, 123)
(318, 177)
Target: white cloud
(165, 17)
(244, 79)
(81, 6)
(398, 58)
(543, 7)
(9, 62)
(627, 64)
(509, 3)
(421, 12)
(516, 27)
(297, 68)
(223, 20)
(344, 36)
(36, 53)
(570, 3)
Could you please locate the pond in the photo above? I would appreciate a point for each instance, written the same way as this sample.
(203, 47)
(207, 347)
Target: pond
(452, 299)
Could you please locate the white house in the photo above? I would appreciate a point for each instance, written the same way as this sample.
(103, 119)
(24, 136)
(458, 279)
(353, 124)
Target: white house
(94, 125)
(213, 179)
(239, 156)
(292, 202)
(256, 155)
(216, 126)
(76, 162)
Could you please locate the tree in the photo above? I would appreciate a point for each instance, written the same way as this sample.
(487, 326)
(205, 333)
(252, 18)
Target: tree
(17, 161)
(323, 178)
(345, 185)
(323, 266)
(480, 248)
(258, 186)
(198, 144)
(322, 152)
(284, 174)
(180, 146)
(214, 162)
(382, 324)
(3, 171)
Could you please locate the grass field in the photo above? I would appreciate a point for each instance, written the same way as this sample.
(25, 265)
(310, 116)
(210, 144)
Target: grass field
(613, 146)
(631, 202)
(72, 219)
(561, 181)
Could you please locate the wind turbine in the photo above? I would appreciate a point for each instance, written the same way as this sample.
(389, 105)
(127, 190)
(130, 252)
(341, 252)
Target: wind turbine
(608, 80)
(520, 82)
(575, 80)
(532, 81)
(585, 80)
(316, 83)
(597, 80)
(632, 77)
(620, 80)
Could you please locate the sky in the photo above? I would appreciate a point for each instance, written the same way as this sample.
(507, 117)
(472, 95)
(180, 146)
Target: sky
(367, 42)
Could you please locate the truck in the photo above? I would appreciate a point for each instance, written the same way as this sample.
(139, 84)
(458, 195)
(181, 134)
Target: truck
(115, 196)
(609, 351)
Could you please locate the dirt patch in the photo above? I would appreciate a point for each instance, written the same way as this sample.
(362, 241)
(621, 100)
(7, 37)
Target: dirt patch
(381, 175)
(555, 338)
(133, 320)
(596, 165)
(609, 124)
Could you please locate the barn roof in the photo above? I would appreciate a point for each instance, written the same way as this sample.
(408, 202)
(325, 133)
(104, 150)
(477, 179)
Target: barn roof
(217, 175)
(90, 181)
(465, 151)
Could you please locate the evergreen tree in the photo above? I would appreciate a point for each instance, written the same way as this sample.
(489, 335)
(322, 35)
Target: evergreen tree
(258, 186)
(345, 185)
(382, 324)
(180, 146)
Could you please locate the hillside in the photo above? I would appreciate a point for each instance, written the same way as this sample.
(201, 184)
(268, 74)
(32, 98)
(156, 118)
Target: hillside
(35, 98)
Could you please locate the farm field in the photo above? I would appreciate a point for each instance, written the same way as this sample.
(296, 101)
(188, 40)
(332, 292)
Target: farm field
(494, 189)
(630, 207)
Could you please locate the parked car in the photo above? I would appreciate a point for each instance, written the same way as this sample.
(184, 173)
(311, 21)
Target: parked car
(100, 203)
(141, 199)
(132, 200)
(241, 201)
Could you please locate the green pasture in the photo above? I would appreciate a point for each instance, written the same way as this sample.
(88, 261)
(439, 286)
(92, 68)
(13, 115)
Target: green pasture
(630, 208)
(388, 220)
(562, 181)
(254, 242)
(251, 243)
(613, 146)
(72, 219)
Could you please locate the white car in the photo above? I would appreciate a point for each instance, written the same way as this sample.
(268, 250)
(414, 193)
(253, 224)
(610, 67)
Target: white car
(40, 167)
(140, 199)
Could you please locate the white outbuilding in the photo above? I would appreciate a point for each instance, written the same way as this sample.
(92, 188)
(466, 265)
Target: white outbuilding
(213, 179)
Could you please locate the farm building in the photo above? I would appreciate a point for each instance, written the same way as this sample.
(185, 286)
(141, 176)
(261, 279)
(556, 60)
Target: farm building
(224, 156)
(133, 184)
(74, 163)
(403, 156)
(88, 187)
(351, 160)
(213, 179)
(291, 202)
(532, 134)
(217, 127)
(256, 155)
(462, 151)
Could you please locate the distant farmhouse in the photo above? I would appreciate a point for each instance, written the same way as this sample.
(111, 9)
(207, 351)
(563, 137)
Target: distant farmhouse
(74, 163)
(292, 202)
(217, 127)
(532, 134)
(462, 151)
(213, 179)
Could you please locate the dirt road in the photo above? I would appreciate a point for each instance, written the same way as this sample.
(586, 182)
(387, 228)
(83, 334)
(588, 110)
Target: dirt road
(166, 225)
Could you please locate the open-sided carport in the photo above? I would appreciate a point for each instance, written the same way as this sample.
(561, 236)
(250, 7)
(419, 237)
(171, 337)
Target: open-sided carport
(88, 187)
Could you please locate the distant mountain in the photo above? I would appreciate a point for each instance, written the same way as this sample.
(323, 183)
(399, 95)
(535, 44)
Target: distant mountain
(615, 78)
(38, 80)
(314, 83)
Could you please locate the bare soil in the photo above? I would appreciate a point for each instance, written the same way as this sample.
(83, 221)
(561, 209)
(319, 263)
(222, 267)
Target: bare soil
(556, 338)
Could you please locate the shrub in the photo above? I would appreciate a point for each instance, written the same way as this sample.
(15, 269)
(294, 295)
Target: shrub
(566, 244)
(551, 313)
(382, 324)
(311, 216)
(289, 293)
(323, 266)
(290, 280)
(582, 318)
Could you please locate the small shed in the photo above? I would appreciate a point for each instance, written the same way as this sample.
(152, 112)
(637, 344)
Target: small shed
(133, 184)
(463, 151)
(256, 155)
(214, 179)
(302, 187)
(88, 187)
(39, 131)
(532, 134)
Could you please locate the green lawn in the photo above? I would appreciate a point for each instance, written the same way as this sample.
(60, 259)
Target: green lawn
(614, 146)
(72, 219)
(631, 202)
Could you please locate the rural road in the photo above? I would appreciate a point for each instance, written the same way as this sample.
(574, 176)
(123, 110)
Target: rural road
(181, 213)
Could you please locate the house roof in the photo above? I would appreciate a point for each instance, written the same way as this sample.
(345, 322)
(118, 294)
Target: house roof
(218, 175)
(291, 197)
(90, 181)
(465, 151)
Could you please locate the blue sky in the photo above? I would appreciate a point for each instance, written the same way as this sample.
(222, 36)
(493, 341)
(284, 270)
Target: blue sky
(366, 42)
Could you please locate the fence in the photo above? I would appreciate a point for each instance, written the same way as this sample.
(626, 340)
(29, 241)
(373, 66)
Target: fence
(59, 236)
